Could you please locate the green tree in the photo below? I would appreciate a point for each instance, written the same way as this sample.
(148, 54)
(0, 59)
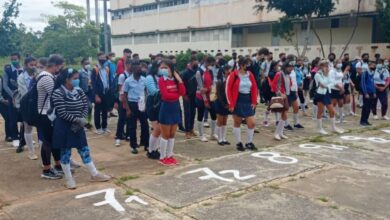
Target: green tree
(69, 34)
(383, 7)
(7, 27)
(297, 10)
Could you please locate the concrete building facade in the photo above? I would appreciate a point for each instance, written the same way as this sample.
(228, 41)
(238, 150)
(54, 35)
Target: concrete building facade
(173, 26)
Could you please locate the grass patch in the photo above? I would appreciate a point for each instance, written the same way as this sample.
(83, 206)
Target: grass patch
(299, 154)
(127, 178)
(129, 192)
(323, 199)
(207, 204)
(236, 195)
(199, 160)
(334, 207)
(292, 180)
(317, 139)
(274, 187)
(101, 169)
(160, 173)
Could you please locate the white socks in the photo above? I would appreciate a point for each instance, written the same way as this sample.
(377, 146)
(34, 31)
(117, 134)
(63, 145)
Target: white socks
(91, 168)
(237, 134)
(295, 118)
(29, 142)
(171, 143)
(266, 116)
(314, 112)
(163, 148)
(277, 116)
(213, 125)
(303, 107)
(153, 143)
(249, 135)
(223, 132)
(67, 171)
(201, 128)
(279, 127)
(219, 133)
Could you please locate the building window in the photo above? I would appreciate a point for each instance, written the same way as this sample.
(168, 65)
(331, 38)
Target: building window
(145, 39)
(172, 3)
(175, 37)
(210, 35)
(335, 23)
(143, 8)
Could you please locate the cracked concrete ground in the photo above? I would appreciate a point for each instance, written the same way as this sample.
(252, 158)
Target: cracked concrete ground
(307, 177)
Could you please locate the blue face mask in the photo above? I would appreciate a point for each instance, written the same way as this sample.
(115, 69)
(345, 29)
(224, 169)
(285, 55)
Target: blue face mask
(163, 72)
(15, 63)
(338, 66)
(76, 83)
(379, 66)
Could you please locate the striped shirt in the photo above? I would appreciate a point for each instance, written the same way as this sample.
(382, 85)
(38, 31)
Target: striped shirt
(45, 87)
(151, 85)
(70, 105)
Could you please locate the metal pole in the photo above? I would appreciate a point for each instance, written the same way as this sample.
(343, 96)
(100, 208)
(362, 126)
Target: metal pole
(105, 26)
(88, 12)
(97, 15)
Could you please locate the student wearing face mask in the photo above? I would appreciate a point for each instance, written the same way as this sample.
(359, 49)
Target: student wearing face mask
(368, 88)
(306, 80)
(171, 88)
(205, 81)
(85, 85)
(337, 89)
(100, 89)
(71, 106)
(332, 58)
(381, 80)
(299, 68)
(134, 103)
(25, 83)
(348, 87)
(189, 80)
(365, 62)
(242, 94)
(322, 97)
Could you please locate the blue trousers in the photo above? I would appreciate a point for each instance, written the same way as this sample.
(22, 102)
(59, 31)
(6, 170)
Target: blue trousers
(132, 122)
(12, 120)
(84, 153)
(122, 121)
(189, 113)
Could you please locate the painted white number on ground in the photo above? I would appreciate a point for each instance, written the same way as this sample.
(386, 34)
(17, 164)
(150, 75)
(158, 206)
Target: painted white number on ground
(109, 199)
(275, 157)
(212, 175)
(386, 131)
(317, 146)
(372, 139)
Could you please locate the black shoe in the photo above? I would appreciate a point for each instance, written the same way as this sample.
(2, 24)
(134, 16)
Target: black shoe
(365, 124)
(221, 143)
(88, 126)
(9, 139)
(51, 174)
(154, 155)
(146, 149)
(20, 149)
(250, 146)
(134, 151)
(256, 131)
(58, 169)
(298, 126)
(226, 143)
(240, 147)
(288, 127)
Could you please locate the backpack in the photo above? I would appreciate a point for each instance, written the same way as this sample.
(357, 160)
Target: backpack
(115, 86)
(29, 105)
(192, 85)
(156, 97)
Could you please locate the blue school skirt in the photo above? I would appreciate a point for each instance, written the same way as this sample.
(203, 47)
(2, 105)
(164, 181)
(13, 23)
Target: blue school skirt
(292, 97)
(169, 113)
(64, 137)
(220, 109)
(324, 99)
(243, 107)
(335, 94)
(151, 112)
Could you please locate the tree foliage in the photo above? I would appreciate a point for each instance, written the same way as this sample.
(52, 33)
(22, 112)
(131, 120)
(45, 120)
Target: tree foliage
(7, 26)
(383, 7)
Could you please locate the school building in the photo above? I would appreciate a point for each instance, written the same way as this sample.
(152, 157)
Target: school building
(173, 26)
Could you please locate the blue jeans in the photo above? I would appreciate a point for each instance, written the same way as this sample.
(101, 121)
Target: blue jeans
(84, 153)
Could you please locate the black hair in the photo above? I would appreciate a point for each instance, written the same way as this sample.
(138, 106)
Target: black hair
(83, 60)
(242, 61)
(129, 61)
(154, 68)
(127, 50)
(159, 55)
(218, 54)
(210, 59)
(43, 61)
(111, 54)
(192, 59)
(171, 57)
(222, 69)
(264, 51)
(364, 54)
(15, 54)
(345, 65)
(100, 54)
(135, 55)
(273, 65)
(332, 54)
(282, 54)
(29, 60)
(55, 60)
(65, 74)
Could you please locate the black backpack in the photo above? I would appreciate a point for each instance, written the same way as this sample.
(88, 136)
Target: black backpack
(29, 105)
(156, 97)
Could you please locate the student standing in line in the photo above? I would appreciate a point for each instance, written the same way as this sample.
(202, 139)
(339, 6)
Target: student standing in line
(112, 71)
(313, 89)
(71, 106)
(189, 80)
(121, 132)
(242, 93)
(381, 80)
(307, 80)
(205, 81)
(3, 109)
(337, 89)
(322, 97)
(10, 85)
(45, 87)
(348, 87)
(152, 110)
(25, 82)
(299, 71)
(100, 81)
(134, 103)
(171, 88)
(221, 105)
(85, 85)
(367, 86)
(121, 64)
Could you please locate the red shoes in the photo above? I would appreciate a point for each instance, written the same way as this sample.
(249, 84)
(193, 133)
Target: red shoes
(171, 161)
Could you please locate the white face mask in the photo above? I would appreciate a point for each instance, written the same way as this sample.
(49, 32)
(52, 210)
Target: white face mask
(87, 67)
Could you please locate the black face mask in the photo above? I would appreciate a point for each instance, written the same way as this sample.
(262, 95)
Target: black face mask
(372, 68)
(331, 59)
(365, 60)
(102, 61)
(195, 67)
(283, 59)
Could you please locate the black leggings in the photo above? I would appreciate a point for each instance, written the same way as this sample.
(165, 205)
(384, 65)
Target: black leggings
(301, 96)
(46, 128)
(201, 108)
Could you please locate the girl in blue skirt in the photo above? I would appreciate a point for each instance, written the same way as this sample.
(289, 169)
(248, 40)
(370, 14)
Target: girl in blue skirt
(171, 88)
(71, 108)
(221, 105)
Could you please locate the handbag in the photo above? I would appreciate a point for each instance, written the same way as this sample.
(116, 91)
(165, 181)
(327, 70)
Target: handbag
(278, 104)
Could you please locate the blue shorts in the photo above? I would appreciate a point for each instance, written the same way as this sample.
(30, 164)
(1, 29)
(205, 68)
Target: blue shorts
(243, 107)
(324, 99)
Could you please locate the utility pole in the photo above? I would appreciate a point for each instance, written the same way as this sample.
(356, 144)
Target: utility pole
(97, 14)
(88, 12)
(105, 27)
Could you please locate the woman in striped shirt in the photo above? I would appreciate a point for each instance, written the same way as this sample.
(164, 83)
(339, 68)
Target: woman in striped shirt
(71, 107)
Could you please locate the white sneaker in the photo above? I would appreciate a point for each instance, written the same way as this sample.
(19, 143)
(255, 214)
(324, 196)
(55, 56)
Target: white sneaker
(277, 137)
(99, 131)
(323, 132)
(214, 137)
(74, 164)
(338, 130)
(206, 124)
(71, 183)
(204, 139)
(15, 143)
(32, 156)
(106, 131)
(385, 118)
(117, 142)
(100, 178)
(283, 136)
(376, 117)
